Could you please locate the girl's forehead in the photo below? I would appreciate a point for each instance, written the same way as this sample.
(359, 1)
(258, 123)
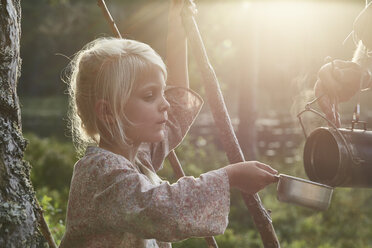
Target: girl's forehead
(151, 76)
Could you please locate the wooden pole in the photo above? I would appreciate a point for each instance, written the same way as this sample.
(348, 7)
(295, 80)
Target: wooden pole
(222, 120)
(172, 157)
(108, 17)
(44, 228)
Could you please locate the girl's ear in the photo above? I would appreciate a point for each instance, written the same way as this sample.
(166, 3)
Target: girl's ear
(103, 111)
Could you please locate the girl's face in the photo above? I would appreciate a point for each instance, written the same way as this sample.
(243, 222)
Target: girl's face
(147, 109)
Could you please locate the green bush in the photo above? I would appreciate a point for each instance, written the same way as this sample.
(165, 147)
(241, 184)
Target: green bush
(52, 165)
(54, 216)
(52, 162)
(346, 224)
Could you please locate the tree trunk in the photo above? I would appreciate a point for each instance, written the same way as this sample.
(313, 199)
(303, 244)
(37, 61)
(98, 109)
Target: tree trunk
(247, 112)
(18, 208)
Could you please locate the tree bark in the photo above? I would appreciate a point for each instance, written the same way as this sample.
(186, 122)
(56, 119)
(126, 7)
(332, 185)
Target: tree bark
(18, 205)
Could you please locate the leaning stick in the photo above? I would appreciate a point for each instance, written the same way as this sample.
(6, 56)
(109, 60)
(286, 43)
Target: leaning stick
(108, 17)
(44, 227)
(172, 157)
(222, 120)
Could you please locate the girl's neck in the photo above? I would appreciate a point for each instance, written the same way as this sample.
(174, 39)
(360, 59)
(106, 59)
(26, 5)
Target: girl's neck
(128, 153)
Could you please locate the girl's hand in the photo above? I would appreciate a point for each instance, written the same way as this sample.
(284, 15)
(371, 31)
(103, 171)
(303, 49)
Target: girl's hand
(251, 176)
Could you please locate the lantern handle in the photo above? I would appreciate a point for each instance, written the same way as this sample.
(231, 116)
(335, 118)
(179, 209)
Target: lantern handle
(309, 109)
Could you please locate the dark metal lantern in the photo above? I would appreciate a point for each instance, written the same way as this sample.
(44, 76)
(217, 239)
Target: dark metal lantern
(339, 157)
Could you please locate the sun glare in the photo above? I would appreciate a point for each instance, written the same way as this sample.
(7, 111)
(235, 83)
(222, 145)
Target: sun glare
(246, 5)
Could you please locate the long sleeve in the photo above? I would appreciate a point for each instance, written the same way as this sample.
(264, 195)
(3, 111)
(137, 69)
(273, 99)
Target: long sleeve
(127, 201)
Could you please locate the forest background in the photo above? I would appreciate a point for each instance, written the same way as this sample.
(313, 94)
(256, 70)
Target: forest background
(271, 48)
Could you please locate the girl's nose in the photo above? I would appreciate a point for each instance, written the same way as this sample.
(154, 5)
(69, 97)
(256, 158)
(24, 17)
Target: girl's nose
(164, 106)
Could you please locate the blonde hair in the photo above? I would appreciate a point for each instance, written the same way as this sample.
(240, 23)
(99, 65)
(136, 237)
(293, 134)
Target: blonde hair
(108, 69)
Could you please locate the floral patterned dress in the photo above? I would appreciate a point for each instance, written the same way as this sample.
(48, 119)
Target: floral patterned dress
(113, 204)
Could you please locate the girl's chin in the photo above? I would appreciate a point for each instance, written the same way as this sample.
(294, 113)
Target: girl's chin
(156, 138)
(160, 137)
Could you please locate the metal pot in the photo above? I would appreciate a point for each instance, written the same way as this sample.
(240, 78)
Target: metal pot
(303, 192)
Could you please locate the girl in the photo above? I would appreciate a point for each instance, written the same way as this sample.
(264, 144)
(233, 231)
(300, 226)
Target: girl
(119, 102)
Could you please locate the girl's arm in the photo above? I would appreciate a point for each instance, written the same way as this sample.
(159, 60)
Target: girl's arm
(126, 201)
(177, 46)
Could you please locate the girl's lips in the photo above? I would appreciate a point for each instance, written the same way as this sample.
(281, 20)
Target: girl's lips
(162, 122)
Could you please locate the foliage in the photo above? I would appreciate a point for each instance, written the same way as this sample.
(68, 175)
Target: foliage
(53, 214)
(54, 30)
(346, 224)
(52, 163)
(45, 116)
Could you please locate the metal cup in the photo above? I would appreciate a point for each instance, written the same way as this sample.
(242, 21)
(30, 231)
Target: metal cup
(303, 192)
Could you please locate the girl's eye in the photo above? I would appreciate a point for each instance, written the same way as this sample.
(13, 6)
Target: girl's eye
(149, 96)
